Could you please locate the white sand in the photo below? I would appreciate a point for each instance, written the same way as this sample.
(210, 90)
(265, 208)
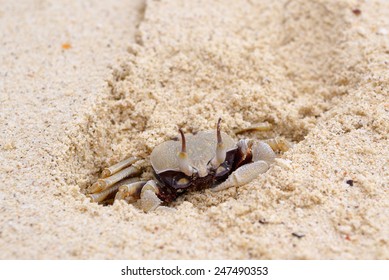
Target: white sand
(317, 71)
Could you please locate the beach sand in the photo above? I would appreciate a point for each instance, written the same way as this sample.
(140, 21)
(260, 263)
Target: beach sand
(85, 85)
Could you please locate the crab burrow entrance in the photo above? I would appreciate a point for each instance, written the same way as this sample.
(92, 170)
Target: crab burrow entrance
(239, 70)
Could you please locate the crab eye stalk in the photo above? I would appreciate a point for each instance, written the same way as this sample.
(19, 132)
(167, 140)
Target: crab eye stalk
(220, 148)
(183, 159)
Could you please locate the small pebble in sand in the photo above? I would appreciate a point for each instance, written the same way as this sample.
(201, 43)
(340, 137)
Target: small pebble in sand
(350, 182)
(66, 46)
(299, 235)
(9, 146)
(357, 12)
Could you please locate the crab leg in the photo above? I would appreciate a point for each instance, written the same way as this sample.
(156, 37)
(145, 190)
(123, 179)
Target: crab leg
(142, 191)
(118, 166)
(243, 175)
(256, 127)
(130, 192)
(102, 195)
(103, 184)
(279, 144)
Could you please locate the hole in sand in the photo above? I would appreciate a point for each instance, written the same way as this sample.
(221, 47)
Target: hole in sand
(251, 74)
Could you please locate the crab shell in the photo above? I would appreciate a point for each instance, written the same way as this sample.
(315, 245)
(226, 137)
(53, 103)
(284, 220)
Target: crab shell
(201, 148)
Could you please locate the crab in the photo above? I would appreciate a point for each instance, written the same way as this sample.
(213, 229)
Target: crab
(199, 161)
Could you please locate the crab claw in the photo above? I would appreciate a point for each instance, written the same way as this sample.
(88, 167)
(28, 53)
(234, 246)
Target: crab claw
(149, 200)
(243, 175)
(221, 152)
(183, 159)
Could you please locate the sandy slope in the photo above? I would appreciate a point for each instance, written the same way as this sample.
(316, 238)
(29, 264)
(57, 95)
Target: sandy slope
(317, 71)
